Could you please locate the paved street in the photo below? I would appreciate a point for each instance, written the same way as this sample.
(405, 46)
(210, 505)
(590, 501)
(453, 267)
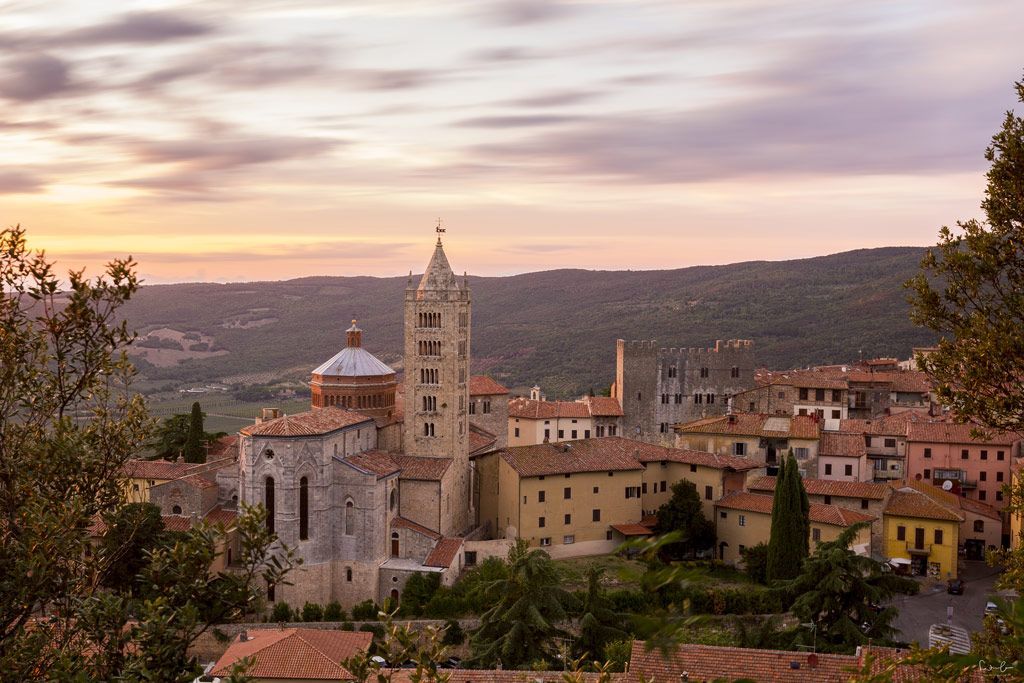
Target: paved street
(928, 607)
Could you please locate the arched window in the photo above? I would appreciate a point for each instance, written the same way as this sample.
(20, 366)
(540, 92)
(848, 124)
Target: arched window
(394, 498)
(394, 544)
(350, 518)
(348, 574)
(303, 509)
(176, 510)
(268, 502)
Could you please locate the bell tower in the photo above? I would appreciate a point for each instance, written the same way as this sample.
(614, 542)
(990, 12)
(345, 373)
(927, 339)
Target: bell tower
(437, 339)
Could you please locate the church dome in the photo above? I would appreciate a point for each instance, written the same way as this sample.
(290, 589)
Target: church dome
(354, 378)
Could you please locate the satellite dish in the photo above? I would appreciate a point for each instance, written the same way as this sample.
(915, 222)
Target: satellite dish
(947, 485)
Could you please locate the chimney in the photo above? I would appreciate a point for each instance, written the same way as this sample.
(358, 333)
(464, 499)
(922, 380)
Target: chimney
(354, 336)
(270, 414)
(732, 418)
(243, 636)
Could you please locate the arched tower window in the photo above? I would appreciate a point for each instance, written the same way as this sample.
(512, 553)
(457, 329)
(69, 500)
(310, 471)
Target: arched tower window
(268, 502)
(394, 499)
(394, 544)
(350, 519)
(303, 509)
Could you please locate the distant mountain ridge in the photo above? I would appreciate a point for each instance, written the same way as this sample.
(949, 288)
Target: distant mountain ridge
(556, 328)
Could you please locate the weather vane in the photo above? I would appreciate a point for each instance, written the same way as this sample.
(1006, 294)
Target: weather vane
(439, 229)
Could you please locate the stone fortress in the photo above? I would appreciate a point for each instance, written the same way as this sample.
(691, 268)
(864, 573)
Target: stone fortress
(374, 483)
(658, 387)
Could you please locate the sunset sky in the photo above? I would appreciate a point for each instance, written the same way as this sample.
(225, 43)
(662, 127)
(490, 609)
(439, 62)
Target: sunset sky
(268, 139)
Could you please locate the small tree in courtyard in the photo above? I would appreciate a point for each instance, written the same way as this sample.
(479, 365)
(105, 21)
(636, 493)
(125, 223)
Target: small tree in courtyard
(684, 513)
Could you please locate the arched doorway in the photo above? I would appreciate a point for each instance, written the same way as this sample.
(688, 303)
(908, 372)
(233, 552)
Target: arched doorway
(394, 598)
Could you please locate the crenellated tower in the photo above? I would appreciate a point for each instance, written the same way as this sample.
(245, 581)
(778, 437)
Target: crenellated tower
(436, 417)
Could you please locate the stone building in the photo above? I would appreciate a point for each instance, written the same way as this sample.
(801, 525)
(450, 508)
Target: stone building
(354, 378)
(658, 387)
(488, 408)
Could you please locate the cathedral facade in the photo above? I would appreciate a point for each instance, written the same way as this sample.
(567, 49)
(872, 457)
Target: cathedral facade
(372, 484)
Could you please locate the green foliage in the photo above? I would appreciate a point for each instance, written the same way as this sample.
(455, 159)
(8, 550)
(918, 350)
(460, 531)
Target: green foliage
(281, 613)
(684, 513)
(171, 437)
(194, 449)
(69, 422)
(970, 291)
(755, 562)
(600, 623)
(526, 609)
(133, 531)
(399, 644)
(787, 544)
(376, 629)
(835, 592)
(618, 653)
(419, 589)
(453, 633)
(446, 604)
(312, 612)
(334, 612)
(348, 626)
(367, 610)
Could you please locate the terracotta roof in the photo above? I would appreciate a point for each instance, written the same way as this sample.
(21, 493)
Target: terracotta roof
(403, 523)
(822, 514)
(566, 457)
(949, 500)
(312, 423)
(604, 406)
(176, 522)
(911, 381)
(295, 653)
(155, 469)
(713, 663)
(199, 482)
(948, 432)
(482, 385)
(632, 529)
(829, 487)
(909, 502)
(443, 553)
(224, 446)
(219, 515)
(842, 444)
(480, 440)
(513, 676)
(422, 468)
(755, 424)
(374, 462)
(542, 410)
(646, 453)
(887, 425)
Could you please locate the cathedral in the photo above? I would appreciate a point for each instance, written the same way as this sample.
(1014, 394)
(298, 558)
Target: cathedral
(374, 483)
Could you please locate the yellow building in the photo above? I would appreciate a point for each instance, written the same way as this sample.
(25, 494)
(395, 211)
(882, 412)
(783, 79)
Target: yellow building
(918, 529)
(560, 494)
(142, 475)
(713, 475)
(745, 519)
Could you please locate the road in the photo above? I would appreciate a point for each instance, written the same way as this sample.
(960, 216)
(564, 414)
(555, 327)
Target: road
(918, 612)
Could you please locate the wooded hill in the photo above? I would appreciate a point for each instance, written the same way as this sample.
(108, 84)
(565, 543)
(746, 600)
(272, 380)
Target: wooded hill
(556, 328)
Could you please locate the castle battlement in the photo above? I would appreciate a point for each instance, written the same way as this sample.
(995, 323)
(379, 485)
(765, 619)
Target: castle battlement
(720, 346)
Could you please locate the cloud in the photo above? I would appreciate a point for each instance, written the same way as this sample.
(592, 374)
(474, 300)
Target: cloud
(524, 12)
(138, 27)
(504, 55)
(34, 77)
(224, 154)
(390, 79)
(512, 121)
(556, 98)
(20, 182)
(336, 250)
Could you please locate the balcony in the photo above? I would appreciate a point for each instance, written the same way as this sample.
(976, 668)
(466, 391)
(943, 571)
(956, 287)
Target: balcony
(923, 549)
(887, 475)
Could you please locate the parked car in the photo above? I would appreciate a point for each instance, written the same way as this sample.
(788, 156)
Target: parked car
(955, 587)
(992, 610)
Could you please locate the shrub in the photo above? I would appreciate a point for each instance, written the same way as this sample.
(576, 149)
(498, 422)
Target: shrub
(312, 612)
(419, 589)
(617, 653)
(376, 629)
(444, 605)
(755, 562)
(281, 612)
(348, 626)
(365, 611)
(333, 612)
(453, 633)
(624, 600)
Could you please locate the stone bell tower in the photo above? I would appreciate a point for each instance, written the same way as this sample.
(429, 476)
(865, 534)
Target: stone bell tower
(437, 339)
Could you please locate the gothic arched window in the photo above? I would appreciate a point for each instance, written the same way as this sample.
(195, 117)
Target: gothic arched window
(394, 498)
(350, 518)
(268, 502)
(303, 509)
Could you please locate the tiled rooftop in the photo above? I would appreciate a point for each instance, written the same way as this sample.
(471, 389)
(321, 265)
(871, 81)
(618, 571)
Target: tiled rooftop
(312, 423)
(295, 653)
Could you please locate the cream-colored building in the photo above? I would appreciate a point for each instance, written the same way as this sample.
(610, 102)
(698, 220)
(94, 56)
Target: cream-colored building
(745, 519)
(597, 489)
(535, 420)
(843, 457)
(765, 438)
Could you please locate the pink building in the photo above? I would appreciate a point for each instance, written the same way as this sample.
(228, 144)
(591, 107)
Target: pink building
(938, 452)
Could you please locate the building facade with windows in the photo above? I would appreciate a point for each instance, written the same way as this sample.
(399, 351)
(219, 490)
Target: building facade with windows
(765, 438)
(535, 420)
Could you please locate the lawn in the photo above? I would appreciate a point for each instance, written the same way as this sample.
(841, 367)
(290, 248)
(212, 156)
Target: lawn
(618, 571)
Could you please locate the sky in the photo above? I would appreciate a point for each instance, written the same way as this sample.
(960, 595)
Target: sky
(269, 139)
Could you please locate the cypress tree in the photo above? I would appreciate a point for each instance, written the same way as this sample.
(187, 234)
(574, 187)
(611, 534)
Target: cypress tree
(788, 544)
(805, 506)
(194, 451)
